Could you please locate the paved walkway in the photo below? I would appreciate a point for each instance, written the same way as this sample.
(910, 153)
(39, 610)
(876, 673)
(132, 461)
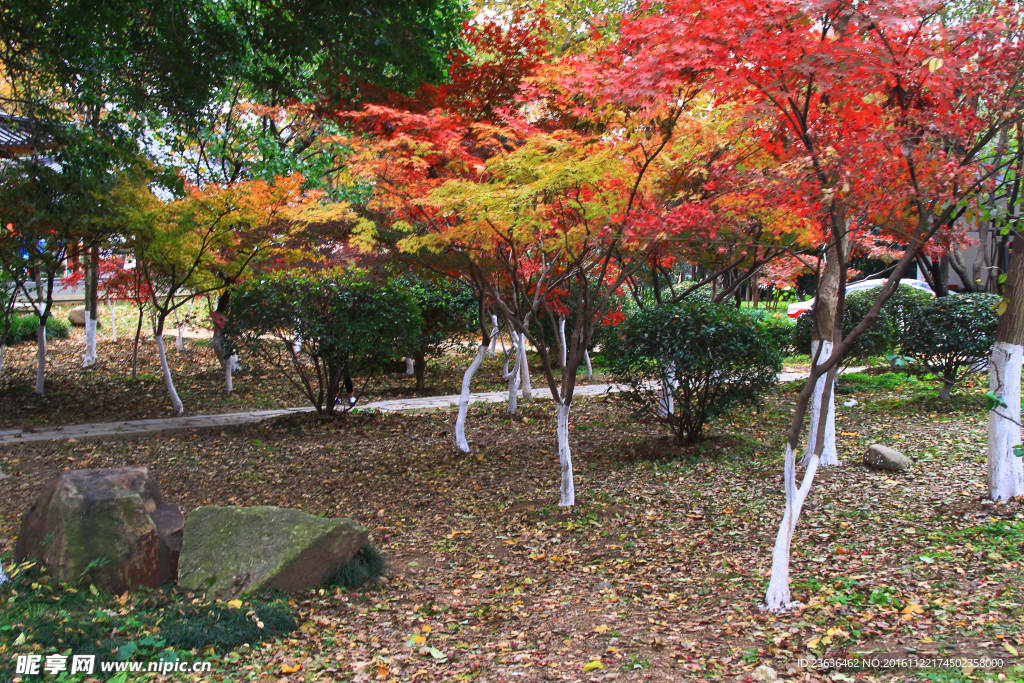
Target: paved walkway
(178, 424)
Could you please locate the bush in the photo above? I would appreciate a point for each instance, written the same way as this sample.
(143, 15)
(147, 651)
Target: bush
(23, 328)
(877, 340)
(721, 358)
(778, 328)
(346, 325)
(953, 336)
(449, 310)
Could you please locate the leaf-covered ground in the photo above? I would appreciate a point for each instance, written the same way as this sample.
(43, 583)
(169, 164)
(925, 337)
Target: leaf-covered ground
(106, 392)
(655, 575)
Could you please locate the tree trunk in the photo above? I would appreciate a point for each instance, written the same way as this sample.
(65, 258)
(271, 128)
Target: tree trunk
(92, 305)
(135, 348)
(524, 370)
(165, 366)
(1005, 470)
(40, 357)
(460, 421)
(829, 456)
(514, 377)
(179, 343)
(419, 368)
(825, 305)
(113, 321)
(3, 350)
(666, 405)
(563, 343)
(590, 368)
(494, 336)
(410, 367)
(568, 488)
(228, 369)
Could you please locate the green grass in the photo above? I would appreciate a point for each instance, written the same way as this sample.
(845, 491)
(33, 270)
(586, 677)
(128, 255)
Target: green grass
(23, 329)
(37, 614)
(1004, 538)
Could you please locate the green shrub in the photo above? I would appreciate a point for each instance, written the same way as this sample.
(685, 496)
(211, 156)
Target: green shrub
(24, 326)
(721, 357)
(881, 336)
(346, 325)
(368, 565)
(449, 310)
(953, 336)
(778, 328)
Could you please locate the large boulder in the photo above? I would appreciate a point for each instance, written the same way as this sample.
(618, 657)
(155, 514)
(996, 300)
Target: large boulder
(233, 550)
(76, 316)
(884, 458)
(110, 527)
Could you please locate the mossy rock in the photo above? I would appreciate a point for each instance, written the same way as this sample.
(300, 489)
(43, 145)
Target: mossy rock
(235, 550)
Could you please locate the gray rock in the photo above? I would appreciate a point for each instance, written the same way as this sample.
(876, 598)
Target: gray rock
(109, 527)
(235, 550)
(884, 458)
(763, 673)
(76, 316)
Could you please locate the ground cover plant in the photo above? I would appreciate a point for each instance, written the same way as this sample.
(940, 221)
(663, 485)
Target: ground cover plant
(658, 572)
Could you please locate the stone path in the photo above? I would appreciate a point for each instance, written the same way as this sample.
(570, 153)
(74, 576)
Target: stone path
(177, 424)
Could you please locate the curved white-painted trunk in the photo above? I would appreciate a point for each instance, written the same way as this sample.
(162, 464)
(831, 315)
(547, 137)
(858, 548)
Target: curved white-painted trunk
(1005, 470)
(410, 368)
(666, 404)
(562, 343)
(90, 341)
(168, 381)
(524, 370)
(467, 379)
(494, 336)
(568, 489)
(229, 367)
(113, 321)
(40, 358)
(179, 344)
(777, 598)
(513, 378)
(590, 368)
(829, 456)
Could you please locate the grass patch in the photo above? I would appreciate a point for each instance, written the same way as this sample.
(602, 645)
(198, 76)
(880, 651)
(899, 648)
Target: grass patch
(37, 614)
(1004, 538)
(367, 566)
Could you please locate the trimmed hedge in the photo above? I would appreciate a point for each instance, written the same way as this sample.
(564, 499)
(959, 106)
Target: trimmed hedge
(24, 326)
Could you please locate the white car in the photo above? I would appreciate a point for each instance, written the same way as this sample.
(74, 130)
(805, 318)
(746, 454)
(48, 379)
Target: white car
(795, 310)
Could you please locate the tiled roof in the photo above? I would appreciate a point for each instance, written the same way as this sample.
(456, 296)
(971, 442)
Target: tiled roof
(14, 135)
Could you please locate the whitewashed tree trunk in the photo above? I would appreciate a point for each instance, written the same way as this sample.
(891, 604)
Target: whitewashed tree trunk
(40, 359)
(666, 404)
(168, 380)
(410, 367)
(590, 368)
(90, 340)
(562, 343)
(494, 336)
(229, 367)
(777, 598)
(460, 421)
(524, 370)
(514, 377)
(113, 321)
(568, 489)
(1005, 471)
(829, 456)
(179, 343)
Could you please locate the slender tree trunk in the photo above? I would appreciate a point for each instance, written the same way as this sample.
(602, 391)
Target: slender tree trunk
(514, 377)
(165, 366)
(590, 368)
(113, 321)
(228, 369)
(494, 336)
(524, 370)
(825, 305)
(1005, 470)
(92, 305)
(135, 348)
(419, 368)
(561, 343)
(3, 350)
(410, 367)
(460, 422)
(829, 456)
(41, 357)
(568, 487)
(668, 387)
